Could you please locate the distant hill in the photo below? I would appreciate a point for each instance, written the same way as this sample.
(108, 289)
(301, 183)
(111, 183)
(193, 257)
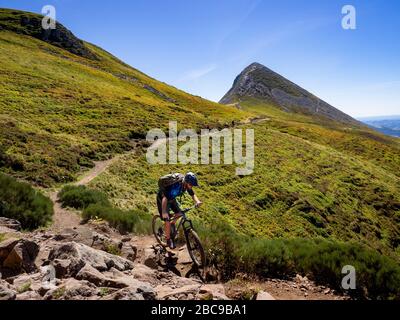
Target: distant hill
(389, 125)
(258, 82)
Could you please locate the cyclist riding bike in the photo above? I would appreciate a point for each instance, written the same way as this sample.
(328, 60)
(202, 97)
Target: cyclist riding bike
(170, 187)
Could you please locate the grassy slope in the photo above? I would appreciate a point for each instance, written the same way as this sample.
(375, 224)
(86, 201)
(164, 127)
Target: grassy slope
(59, 111)
(305, 184)
(358, 141)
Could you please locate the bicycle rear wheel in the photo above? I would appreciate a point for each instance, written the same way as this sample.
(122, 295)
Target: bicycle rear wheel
(158, 230)
(195, 248)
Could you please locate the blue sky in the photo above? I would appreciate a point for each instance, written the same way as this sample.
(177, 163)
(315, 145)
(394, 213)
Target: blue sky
(201, 45)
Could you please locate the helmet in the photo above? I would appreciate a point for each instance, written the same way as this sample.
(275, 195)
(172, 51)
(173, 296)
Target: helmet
(190, 177)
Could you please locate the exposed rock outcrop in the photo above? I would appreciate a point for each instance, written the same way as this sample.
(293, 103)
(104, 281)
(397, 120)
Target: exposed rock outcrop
(31, 24)
(80, 254)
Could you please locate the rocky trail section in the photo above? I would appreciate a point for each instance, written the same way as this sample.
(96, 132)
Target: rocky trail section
(87, 263)
(95, 262)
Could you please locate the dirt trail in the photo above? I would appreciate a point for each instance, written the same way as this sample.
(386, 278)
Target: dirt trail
(62, 218)
(66, 218)
(99, 167)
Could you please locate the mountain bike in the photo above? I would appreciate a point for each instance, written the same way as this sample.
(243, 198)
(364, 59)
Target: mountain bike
(193, 242)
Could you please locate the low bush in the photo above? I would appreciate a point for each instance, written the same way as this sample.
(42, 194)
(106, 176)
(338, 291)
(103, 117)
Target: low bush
(80, 197)
(18, 200)
(322, 260)
(95, 205)
(125, 221)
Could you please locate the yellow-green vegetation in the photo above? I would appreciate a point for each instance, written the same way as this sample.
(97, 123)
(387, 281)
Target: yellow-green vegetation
(24, 287)
(112, 249)
(353, 140)
(104, 291)
(60, 111)
(298, 189)
(59, 292)
(2, 237)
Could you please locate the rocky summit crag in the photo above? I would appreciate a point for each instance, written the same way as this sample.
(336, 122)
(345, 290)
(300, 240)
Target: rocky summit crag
(259, 82)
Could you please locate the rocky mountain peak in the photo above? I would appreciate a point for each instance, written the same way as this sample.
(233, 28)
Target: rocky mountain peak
(259, 82)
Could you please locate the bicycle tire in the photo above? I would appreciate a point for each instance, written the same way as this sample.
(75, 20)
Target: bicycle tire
(196, 251)
(158, 231)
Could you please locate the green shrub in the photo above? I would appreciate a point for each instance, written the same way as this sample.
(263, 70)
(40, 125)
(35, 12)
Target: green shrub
(80, 197)
(125, 221)
(377, 276)
(18, 200)
(24, 287)
(95, 204)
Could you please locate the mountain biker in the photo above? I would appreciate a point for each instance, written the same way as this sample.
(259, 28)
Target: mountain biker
(170, 187)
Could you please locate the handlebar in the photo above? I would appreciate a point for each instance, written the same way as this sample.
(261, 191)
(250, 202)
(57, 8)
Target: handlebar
(188, 209)
(183, 211)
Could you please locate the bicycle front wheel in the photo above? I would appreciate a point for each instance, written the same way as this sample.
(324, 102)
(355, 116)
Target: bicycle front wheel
(195, 248)
(158, 230)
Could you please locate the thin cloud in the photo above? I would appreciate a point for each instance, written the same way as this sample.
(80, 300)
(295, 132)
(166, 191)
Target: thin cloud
(196, 73)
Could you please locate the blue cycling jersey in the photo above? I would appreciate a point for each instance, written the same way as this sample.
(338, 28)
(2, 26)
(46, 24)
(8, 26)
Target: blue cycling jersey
(175, 190)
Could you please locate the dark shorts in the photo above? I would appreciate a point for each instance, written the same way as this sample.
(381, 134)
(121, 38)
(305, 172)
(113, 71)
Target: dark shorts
(172, 205)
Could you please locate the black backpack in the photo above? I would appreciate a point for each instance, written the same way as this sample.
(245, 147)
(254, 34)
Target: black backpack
(170, 179)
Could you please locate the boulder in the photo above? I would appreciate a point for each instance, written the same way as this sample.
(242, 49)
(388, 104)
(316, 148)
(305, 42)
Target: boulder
(80, 254)
(214, 291)
(65, 268)
(136, 290)
(97, 278)
(177, 281)
(124, 294)
(72, 289)
(23, 282)
(66, 235)
(184, 257)
(150, 258)
(144, 273)
(128, 251)
(10, 223)
(5, 248)
(262, 295)
(126, 239)
(29, 295)
(6, 291)
(8, 230)
(22, 256)
(166, 292)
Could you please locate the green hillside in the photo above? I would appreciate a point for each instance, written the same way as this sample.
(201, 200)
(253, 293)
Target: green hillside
(355, 140)
(59, 111)
(299, 188)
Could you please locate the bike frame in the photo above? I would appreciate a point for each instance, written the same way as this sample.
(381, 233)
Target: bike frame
(183, 220)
